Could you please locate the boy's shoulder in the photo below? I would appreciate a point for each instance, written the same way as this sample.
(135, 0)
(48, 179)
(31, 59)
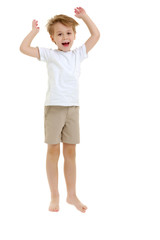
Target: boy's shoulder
(48, 54)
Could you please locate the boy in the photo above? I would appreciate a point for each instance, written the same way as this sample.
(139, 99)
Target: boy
(61, 116)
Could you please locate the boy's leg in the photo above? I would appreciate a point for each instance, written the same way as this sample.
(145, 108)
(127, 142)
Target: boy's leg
(69, 153)
(52, 174)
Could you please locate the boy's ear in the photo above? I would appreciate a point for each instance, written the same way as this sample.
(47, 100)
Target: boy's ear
(52, 39)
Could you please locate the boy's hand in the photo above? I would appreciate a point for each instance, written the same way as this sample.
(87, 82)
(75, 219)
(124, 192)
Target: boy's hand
(35, 26)
(79, 12)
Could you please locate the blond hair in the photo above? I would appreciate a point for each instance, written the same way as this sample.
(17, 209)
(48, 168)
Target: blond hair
(65, 20)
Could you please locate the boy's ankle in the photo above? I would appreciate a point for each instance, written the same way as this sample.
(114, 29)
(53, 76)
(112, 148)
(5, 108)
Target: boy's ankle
(71, 195)
(54, 195)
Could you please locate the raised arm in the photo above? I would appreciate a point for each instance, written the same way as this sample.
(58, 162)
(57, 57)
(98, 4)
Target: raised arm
(25, 45)
(95, 34)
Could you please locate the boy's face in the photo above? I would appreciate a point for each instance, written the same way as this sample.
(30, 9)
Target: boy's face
(63, 37)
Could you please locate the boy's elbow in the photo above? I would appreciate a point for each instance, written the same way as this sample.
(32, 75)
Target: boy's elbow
(21, 49)
(98, 35)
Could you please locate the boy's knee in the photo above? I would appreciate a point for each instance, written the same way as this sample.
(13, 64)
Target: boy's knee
(54, 149)
(69, 151)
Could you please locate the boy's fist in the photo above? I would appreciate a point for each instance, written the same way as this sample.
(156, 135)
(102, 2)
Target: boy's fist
(35, 25)
(79, 12)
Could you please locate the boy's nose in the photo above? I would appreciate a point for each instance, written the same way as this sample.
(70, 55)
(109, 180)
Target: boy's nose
(65, 37)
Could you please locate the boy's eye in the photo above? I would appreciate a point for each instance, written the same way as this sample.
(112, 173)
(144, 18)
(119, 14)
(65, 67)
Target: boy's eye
(61, 33)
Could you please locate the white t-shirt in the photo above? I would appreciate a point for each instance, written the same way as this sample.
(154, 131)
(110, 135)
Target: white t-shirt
(63, 74)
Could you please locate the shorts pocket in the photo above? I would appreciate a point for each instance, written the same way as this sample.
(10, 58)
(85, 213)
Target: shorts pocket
(46, 110)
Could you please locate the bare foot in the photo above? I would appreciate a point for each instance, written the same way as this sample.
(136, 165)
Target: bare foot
(54, 204)
(75, 201)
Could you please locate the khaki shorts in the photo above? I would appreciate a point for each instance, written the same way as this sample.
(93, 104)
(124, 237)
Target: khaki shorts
(61, 124)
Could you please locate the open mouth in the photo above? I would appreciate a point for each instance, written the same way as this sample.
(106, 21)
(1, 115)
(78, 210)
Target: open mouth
(66, 44)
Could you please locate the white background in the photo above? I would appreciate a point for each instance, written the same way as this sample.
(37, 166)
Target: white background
(118, 157)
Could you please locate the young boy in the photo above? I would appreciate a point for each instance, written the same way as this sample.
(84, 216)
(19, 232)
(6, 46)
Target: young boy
(61, 113)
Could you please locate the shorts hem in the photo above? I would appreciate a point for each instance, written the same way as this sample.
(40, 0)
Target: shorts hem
(52, 142)
(70, 142)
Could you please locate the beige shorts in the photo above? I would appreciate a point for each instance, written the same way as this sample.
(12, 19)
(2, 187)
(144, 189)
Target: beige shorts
(61, 124)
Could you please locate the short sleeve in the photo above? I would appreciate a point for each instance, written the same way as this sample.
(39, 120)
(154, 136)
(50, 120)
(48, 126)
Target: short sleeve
(45, 54)
(81, 52)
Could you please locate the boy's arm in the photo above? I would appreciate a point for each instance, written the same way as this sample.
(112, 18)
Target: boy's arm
(95, 34)
(25, 45)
